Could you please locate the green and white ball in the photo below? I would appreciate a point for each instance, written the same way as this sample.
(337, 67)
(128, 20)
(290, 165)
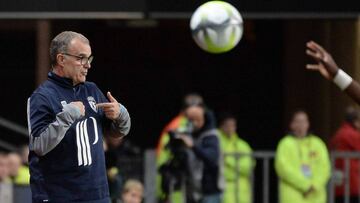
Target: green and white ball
(216, 26)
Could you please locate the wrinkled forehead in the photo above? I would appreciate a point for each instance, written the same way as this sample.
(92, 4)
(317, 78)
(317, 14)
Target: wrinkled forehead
(79, 47)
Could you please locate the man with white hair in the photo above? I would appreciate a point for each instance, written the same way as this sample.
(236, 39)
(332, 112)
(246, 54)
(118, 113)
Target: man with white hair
(67, 117)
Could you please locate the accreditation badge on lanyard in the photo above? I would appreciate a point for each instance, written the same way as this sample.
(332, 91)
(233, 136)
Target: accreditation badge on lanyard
(306, 170)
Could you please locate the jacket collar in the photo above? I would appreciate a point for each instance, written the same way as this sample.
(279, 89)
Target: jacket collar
(62, 81)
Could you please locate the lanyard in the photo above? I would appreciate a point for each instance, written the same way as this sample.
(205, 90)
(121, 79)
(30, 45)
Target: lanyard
(305, 167)
(307, 144)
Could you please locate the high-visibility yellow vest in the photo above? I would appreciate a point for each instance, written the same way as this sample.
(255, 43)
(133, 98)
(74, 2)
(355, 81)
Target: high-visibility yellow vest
(236, 172)
(23, 177)
(301, 163)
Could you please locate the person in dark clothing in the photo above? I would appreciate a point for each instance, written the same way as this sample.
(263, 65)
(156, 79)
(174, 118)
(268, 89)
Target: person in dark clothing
(114, 177)
(347, 139)
(67, 117)
(204, 157)
(118, 152)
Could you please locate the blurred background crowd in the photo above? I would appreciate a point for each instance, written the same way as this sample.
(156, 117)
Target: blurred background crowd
(302, 162)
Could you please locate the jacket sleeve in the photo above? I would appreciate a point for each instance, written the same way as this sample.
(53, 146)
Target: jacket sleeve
(322, 169)
(47, 129)
(209, 151)
(122, 124)
(288, 169)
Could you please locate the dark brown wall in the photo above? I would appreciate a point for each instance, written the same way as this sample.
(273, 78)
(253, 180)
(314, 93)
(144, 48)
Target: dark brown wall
(306, 89)
(149, 69)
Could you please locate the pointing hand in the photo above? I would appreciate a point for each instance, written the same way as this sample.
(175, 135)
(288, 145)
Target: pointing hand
(111, 109)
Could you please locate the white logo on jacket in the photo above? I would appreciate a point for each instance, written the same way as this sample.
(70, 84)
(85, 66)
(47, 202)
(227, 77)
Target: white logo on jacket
(92, 103)
(63, 103)
(83, 141)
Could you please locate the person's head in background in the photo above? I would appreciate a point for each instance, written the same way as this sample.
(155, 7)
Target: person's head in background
(299, 124)
(196, 115)
(4, 170)
(352, 116)
(14, 163)
(228, 124)
(132, 192)
(192, 99)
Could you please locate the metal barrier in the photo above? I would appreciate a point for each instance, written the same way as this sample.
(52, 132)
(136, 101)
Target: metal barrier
(10, 193)
(147, 168)
(346, 157)
(266, 156)
(22, 194)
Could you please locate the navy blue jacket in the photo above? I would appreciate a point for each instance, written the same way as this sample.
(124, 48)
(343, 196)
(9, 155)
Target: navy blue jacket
(66, 157)
(207, 149)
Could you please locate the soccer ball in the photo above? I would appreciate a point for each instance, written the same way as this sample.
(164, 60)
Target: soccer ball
(216, 26)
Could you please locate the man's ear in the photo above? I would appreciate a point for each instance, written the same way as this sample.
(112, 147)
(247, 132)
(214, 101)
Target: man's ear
(60, 59)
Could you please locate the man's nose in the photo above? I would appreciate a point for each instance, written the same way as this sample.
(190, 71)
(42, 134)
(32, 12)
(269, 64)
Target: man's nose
(87, 65)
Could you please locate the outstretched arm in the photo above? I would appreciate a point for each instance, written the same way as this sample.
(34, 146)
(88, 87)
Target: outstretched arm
(330, 70)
